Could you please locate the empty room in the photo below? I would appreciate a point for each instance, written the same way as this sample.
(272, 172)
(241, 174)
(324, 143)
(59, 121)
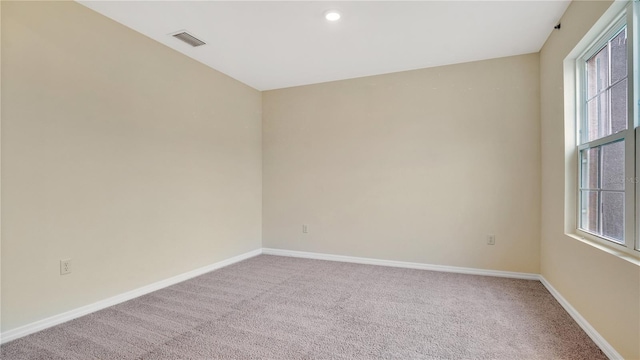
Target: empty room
(320, 179)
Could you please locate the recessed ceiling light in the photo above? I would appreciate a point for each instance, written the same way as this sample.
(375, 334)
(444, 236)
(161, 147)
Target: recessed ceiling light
(332, 15)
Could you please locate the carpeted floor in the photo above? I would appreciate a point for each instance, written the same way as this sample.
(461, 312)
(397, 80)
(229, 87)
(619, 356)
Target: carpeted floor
(272, 307)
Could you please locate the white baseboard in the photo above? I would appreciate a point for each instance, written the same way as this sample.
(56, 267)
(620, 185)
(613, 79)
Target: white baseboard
(401, 264)
(85, 310)
(606, 348)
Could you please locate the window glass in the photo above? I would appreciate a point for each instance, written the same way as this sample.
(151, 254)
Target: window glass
(619, 110)
(619, 56)
(590, 169)
(598, 72)
(606, 90)
(589, 210)
(613, 215)
(613, 166)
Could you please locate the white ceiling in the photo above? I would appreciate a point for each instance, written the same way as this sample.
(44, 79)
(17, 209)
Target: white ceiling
(277, 44)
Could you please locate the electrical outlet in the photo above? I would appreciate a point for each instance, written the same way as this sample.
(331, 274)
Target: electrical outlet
(65, 267)
(491, 239)
(305, 229)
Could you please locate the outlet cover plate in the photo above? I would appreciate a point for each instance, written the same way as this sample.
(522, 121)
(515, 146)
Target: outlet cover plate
(65, 267)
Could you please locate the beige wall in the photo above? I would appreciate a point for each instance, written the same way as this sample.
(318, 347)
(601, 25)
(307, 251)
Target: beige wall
(605, 289)
(131, 159)
(415, 166)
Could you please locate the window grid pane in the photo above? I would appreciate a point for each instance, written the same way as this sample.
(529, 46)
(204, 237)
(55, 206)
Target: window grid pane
(598, 72)
(619, 56)
(612, 215)
(590, 159)
(612, 170)
(618, 108)
(590, 211)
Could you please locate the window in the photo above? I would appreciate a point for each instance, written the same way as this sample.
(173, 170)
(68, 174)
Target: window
(606, 139)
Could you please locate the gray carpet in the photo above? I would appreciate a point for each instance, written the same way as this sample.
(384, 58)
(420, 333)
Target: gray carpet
(272, 307)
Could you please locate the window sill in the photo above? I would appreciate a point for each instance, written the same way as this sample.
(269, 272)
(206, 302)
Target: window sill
(617, 253)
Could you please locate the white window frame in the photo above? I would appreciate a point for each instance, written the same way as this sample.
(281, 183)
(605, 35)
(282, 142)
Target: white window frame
(628, 17)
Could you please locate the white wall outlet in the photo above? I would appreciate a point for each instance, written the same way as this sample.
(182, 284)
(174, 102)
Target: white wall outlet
(491, 239)
(305, 229)
(65, 267)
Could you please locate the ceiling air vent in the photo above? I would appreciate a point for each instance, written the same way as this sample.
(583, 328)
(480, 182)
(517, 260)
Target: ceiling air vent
(188, 38)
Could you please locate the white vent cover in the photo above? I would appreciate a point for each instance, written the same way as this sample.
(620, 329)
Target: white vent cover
(188, 38)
